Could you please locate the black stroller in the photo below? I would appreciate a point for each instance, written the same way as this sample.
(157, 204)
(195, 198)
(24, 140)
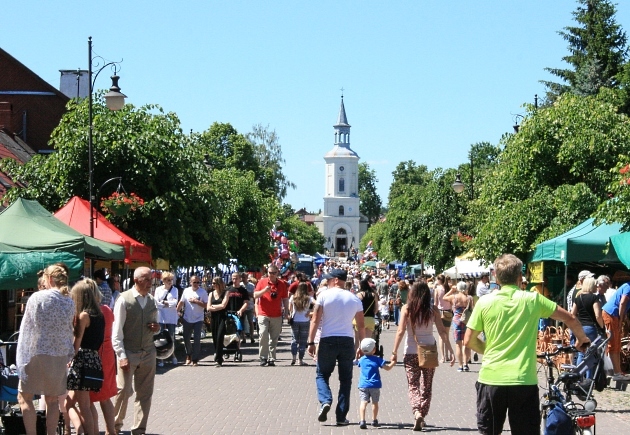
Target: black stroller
(232, 338)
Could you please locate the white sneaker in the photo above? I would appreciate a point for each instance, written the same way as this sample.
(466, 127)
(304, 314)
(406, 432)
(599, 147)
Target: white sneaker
(174, 360)
(620, 377)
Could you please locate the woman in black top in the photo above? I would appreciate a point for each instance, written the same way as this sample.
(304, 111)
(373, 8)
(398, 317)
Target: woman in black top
(217, 305)
(588, 310)
(369, 299)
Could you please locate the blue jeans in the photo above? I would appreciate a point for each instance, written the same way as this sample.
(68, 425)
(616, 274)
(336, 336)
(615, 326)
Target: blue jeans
(193, 352)
(396, 314)
(333, 350)
(591, 333)
(299, 337)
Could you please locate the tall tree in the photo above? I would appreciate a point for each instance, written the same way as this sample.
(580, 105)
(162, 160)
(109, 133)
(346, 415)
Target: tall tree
(551, 175)
(597, 51)
(370, 204)
(268, 152)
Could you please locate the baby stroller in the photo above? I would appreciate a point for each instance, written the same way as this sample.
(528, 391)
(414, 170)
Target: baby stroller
(232, 338)
(378, 328)
(10, 413)
(574, 378)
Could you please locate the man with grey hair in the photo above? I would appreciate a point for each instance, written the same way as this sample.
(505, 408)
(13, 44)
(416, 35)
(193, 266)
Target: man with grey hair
(135, 322)
(508, 382)
(603, 284)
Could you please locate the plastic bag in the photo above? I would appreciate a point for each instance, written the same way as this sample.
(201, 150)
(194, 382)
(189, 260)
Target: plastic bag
(608, 365)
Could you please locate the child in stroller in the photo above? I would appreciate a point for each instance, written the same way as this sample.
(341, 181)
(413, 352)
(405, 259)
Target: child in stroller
(232, 338)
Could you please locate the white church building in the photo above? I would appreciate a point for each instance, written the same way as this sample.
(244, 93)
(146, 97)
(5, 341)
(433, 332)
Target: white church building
(340, 222)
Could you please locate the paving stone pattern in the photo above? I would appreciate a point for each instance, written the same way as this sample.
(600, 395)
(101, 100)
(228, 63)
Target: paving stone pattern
(244, 398)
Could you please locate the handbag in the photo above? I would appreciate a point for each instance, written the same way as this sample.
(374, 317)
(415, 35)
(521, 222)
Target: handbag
(92, 378)
(465, 316)
(427, 354)
(446, 315)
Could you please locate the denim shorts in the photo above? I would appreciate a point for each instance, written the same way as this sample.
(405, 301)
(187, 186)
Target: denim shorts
(366, 393)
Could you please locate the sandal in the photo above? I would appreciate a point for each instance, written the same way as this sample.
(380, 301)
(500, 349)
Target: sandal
(419, 424)
(302, 363)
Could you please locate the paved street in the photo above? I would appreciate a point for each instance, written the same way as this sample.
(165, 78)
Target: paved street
(243, 398)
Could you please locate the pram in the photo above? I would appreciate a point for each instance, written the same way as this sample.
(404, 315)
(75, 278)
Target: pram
(232, 338)
(378, 328)
(10, 414)
(583, 387)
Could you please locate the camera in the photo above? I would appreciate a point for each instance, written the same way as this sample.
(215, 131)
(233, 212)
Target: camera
(274, 295)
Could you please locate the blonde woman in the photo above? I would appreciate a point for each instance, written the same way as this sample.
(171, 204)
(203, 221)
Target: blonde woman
(166, 301)
(588, 310)
(300, 305)
(459, 300)
(45, 347)
(89, 332)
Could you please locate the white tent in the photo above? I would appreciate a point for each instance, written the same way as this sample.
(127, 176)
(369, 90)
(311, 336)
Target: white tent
(467, 268)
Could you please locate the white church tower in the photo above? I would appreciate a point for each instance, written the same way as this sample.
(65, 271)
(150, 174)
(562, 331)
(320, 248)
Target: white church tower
(341, 218)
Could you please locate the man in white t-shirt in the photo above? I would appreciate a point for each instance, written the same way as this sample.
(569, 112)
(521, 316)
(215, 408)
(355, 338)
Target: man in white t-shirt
(483, 286)
(335, 308)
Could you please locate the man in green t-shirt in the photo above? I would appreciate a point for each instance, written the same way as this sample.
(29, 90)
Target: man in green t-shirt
(507, 380)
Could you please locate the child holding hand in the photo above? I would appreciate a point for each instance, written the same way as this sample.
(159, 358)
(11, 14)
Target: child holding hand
(370, 379)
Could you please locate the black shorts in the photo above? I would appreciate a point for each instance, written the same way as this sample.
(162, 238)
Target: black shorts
(520, 402)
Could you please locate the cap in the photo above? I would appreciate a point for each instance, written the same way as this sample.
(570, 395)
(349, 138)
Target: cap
(585, 274)
(368, 345)
(336, 273)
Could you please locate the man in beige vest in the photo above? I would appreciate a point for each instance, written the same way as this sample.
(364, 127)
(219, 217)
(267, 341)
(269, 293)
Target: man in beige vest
(135, 322)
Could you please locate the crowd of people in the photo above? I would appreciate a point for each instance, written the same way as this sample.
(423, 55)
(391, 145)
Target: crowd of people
(96, 341)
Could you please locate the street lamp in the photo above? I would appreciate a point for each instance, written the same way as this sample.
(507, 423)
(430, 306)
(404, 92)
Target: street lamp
(458, 185)
(114, 100)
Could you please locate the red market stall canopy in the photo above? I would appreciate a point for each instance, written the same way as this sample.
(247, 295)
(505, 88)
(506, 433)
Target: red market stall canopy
(76, 213)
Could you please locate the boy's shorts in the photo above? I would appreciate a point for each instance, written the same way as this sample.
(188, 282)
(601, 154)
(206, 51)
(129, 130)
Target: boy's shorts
(366, 393)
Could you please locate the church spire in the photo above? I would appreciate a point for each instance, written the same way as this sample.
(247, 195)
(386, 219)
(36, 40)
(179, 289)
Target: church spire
(342, 128)
(342, 120)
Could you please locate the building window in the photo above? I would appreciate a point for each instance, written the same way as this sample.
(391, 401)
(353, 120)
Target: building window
(342, 185)
(341, 210)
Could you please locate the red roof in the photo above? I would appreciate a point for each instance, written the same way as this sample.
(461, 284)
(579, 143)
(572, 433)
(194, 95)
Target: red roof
(76, 213)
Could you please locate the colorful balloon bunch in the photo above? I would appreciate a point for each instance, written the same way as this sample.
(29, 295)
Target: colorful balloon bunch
(284, 251)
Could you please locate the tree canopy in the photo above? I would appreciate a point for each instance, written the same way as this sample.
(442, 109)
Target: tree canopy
(370, 204)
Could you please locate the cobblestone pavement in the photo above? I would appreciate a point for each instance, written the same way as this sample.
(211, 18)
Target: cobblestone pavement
(244, 398)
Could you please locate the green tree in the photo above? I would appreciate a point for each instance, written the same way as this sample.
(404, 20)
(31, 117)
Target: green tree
(309, 239)
(597, 51)
(268, 152)
(377, 233)
(551, 175)
(370, 204)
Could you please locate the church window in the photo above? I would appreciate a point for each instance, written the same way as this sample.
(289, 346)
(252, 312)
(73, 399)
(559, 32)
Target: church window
(342, 185)
(341, 210)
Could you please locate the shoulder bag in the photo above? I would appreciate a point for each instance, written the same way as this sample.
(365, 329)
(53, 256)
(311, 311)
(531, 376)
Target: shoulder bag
(427, 353)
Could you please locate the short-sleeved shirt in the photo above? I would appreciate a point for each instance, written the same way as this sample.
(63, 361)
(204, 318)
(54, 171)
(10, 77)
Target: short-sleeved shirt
(585, 311)
(338, 307)
(370, 376)
(268, 306)
(193, 313)
(509, 320)
(238, 296)
(612, 306)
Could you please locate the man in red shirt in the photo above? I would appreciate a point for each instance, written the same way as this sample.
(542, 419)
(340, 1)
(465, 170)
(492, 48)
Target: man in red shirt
(271, 295)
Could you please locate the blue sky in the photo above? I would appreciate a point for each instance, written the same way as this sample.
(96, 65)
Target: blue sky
(423, 79)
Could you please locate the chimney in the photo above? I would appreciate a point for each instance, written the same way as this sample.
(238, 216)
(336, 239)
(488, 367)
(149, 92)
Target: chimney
(74, 83)
(5, 115)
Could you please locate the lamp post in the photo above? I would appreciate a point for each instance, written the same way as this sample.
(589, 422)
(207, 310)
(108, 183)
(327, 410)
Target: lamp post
(114, 100)
(458, 185)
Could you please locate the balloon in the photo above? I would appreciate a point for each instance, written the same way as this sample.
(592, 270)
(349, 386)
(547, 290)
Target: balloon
(294, 258)
(284, 254)
(283, 240)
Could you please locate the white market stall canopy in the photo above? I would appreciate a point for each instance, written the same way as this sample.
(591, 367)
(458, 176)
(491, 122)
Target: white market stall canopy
(467, 268)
